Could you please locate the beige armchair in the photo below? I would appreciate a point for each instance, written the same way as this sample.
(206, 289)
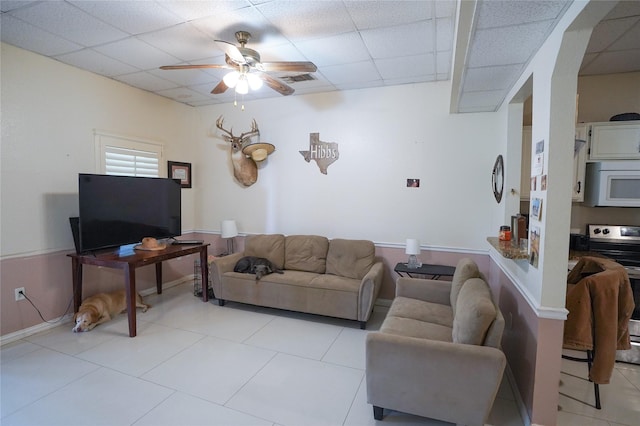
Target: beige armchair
(437, 352)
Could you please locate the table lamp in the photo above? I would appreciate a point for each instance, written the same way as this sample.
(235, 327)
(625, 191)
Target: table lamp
(229, 230)
(413, 249)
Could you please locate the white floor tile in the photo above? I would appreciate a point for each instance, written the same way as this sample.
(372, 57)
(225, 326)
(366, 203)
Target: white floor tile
(620, 399)
(63, 339)
(212, 369)
(36, 374)
(182, 409)
(296, 337)
(291, 390)
(348, 349)
(153, 345)
(103, 397)
(17, 349)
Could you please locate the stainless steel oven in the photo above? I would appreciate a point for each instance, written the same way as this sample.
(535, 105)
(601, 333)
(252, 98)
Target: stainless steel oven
(622, 244)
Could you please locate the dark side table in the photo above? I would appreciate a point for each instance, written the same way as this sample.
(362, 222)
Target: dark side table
(435, 271)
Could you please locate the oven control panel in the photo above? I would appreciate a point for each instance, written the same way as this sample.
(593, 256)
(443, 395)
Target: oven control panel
(614, 232)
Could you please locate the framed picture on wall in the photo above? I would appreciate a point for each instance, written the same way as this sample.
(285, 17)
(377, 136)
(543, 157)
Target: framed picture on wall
(180, 171)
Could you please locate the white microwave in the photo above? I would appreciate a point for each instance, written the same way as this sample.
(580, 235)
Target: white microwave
(613, 184)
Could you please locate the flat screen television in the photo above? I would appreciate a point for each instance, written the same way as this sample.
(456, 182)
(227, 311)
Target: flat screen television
(121, 210)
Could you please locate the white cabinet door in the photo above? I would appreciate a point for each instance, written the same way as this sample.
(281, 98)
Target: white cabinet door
(579, 163)
(615, 140)
(525, 166)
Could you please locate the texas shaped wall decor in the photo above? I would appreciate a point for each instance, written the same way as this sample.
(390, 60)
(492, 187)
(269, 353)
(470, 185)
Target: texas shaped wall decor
(323, 153)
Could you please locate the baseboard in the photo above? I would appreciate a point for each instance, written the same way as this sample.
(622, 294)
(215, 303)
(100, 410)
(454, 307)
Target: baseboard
(38, 328)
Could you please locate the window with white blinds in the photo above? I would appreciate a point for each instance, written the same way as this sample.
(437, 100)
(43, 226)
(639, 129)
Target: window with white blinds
(130, 162)
(126, 156)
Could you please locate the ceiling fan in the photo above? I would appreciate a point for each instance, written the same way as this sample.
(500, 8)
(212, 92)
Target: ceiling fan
(246, 68)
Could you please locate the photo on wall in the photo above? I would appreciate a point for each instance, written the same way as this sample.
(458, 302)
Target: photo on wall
(534, 240)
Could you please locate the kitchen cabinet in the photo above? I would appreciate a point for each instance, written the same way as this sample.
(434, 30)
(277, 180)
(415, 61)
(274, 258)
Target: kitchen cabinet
(525, 165)
(614, 140)
(579, 163)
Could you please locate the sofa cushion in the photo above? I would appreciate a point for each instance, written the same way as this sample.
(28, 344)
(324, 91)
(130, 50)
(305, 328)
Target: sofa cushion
(268, 246)
(436, 313)
(465, 269)
(306, 253)
(415, 328)
(350, 258)
(474, 313)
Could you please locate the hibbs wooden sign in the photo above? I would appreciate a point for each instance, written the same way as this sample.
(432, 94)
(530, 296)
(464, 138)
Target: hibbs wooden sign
(323, 153)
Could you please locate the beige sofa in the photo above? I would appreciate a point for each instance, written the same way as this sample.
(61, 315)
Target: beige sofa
(437, 353)
(337, 278)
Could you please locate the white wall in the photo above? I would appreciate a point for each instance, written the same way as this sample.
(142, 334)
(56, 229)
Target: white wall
(385, 136)
(49, 112)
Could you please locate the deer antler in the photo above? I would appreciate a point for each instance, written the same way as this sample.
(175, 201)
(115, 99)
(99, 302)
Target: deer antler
(219, 124)
(254, 129)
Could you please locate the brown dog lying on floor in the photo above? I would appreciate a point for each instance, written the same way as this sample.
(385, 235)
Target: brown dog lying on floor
(101, 308)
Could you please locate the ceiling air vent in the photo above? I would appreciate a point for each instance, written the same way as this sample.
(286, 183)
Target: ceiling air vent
(298, 78)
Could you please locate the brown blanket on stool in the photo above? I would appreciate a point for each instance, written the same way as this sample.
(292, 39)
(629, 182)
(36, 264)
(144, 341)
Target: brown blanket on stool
(600, 304)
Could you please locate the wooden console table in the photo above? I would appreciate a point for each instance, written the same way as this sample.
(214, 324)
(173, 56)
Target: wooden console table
(436, 271)
(128, 262)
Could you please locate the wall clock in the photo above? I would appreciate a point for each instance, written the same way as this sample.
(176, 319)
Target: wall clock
(497, 178)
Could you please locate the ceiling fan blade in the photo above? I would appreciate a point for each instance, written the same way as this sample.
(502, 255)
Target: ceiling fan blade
(277, 85)
(231, 51)
(190, 67)
(220, 88)
(290, 66)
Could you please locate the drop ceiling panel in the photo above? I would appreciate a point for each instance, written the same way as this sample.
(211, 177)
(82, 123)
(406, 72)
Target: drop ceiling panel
(607, 32)
(138, 53)
(302, 20)
(614, 62)
(19, 33)
(350, 73)
(131, 17)
(182, 41)
(69, 22)
(417, 65)
(146, 81)
(96, 62)
(494, 14)
(375, 14)
(630, 39)
(190, 10)
(323, 51)
(491, 78)
(402, 40)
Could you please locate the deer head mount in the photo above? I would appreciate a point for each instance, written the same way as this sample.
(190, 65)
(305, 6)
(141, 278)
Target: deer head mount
(245, 155)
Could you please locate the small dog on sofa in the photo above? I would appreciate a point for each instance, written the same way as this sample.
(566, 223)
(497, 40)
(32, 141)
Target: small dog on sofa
(256, 265)
(101, 308)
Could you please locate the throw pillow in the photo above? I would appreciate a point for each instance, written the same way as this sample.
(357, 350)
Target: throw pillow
(474, 313)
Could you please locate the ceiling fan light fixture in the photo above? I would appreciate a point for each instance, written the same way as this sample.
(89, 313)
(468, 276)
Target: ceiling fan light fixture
(255, 82)
(231, 79)
(243, 86)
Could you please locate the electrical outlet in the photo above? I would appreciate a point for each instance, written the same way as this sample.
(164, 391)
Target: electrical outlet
(18, 295)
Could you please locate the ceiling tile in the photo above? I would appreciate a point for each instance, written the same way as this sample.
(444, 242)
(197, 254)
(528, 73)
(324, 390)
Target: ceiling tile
(483, 100)
(301, 20)
(373, 14)
(131, 17)
(182, 41)
(444, 34)
(96, 62)
(69, 22)
(443, 64)
(186, 77)
(190, 10)
(404, 40)
(607, 32)
(507, 45)
(494, 13)
(224, 24)
(146, 81)
(630, 39)
(137, 53)
(490, 78)
(411, 66)
(19, 33)
(614, 62)
(350, 73)
(8, 5)
(623, 9)
(339, 49)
